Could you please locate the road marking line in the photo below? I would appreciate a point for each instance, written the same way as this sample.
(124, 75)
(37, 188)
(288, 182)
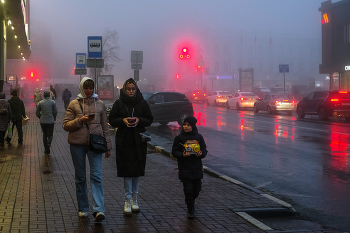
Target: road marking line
(230, 179)
(254, 221)
(263, 184)
(283, 203)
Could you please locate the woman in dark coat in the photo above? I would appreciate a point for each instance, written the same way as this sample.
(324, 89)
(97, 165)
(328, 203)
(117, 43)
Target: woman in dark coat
(130, 114)
(4, 119)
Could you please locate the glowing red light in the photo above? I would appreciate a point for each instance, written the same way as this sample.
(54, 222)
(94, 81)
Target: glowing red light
(334, 100)
(343, 92)
(184, 50)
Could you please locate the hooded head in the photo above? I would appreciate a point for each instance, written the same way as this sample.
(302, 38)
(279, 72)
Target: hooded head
(89, 83)
(127, 82)
(46, 94)
(14, 93)
(37, 90)
(2, 95)
(192, 121)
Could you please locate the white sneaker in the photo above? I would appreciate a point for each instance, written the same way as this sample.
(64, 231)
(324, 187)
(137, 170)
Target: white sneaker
(82, 214)
(99, 217)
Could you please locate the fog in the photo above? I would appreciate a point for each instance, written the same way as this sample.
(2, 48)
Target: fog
(160, 27)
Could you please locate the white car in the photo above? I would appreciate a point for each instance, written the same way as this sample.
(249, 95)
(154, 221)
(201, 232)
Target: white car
(218, 97)
(241, 100)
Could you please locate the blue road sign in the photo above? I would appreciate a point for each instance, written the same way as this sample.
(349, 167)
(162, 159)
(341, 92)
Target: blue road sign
(95, 46)
(80, 59)
(284, 68)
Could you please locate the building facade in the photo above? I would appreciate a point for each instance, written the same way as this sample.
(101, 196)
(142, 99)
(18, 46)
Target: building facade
(335, 19)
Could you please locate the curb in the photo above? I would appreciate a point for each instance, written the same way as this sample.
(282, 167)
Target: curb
(216, 174)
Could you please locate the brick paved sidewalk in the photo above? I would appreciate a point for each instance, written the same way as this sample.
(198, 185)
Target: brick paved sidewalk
(37, 193)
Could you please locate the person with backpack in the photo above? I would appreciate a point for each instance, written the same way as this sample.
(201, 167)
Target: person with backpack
(5, 117)
(18, 113)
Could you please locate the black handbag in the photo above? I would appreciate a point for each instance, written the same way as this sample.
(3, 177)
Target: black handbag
(97, 143)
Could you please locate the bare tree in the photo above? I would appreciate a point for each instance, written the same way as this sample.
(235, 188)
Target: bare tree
(110, 50)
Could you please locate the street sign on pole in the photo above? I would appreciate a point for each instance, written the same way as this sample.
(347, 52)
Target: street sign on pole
(137, 57)
(80, 59)
(284, 68)
(94, 46)
(136, 66)
(95, 63)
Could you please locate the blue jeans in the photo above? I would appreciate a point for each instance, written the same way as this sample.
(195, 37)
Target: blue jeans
(131, 185)
(79, 153)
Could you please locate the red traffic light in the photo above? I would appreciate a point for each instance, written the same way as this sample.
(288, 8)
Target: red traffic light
(184, 54)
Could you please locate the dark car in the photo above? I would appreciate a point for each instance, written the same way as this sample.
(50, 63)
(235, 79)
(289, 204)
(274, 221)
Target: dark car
(166, 106)
(196, 96)
(325, 104)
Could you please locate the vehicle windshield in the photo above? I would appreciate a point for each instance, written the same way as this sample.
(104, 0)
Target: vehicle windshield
(224, 93)
(249, 94)
(146, 95)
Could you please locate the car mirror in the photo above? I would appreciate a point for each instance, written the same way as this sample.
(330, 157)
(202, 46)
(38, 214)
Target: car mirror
(151, 102)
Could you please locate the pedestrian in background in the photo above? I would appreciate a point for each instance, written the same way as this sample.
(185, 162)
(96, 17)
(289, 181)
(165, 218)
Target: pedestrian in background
(53, 91)
(47, 112)
(66, 95)
(130, 114)
(189, 161)
(87, 109)
(52, 95)
(18, 113)
(37, 97)
(5, 117)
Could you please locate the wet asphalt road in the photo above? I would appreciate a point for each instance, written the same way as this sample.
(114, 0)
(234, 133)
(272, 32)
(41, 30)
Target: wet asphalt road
(304, 162)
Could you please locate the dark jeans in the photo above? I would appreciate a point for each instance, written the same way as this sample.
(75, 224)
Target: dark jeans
(191, 190)
(47, 134)
(2, 137)
(66, 103)
(18, 125)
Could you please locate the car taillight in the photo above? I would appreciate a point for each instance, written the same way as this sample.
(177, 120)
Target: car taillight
(334, 100)
(194, 94)
(204, 94)
(293, 102)
(33, 96)
(243, 98)
(277, 102)
(343, 92)
(219, 96)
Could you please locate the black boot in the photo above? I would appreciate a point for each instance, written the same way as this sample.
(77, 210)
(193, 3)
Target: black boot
(190, 211)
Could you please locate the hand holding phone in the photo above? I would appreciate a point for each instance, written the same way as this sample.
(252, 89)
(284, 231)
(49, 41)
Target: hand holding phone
(91, 116)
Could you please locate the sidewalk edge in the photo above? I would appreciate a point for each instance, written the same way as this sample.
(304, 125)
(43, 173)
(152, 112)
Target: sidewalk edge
(219, 175)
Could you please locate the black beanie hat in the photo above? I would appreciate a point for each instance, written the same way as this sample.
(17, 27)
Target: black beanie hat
(192, 121)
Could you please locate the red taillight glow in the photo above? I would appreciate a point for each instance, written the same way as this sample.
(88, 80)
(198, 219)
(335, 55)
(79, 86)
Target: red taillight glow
(204, 94)
(194, 94)
(293, 102)
(343, 92)
(277, 103)
(334, 100)
(243, 98)
(219, 96)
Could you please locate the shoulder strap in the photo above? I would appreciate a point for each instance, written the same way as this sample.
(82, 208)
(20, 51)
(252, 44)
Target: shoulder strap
(81, 107)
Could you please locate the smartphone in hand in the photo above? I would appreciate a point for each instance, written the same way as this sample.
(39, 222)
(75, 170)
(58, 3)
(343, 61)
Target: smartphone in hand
(91, 116)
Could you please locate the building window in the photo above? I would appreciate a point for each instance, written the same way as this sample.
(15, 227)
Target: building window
(216, 66)
(347, 33)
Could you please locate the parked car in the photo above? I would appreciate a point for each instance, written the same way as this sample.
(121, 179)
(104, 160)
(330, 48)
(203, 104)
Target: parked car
(274, 102)
(166, 106)
(218, 97)
(241, 100)
(196, 96)
(260, 91)
(325, 104)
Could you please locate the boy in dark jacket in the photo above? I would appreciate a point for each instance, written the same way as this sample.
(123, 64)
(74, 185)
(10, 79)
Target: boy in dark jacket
(189, 149)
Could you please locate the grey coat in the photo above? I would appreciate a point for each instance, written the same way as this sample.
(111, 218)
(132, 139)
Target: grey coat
(5, 120)
(47, 111)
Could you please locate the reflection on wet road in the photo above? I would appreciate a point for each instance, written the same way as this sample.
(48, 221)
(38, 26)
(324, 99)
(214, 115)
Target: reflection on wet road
(305, 162)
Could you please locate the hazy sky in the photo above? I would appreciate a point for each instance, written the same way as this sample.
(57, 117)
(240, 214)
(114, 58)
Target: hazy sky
(71, 21)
